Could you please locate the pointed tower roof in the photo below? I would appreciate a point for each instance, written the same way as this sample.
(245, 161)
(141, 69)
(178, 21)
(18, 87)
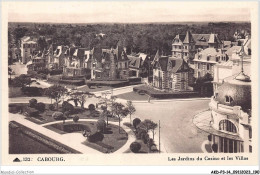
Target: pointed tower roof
(156, 57)
(188, 38)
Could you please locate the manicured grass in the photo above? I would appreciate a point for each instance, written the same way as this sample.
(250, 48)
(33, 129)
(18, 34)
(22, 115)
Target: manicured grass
(15, 92)
(112, 141)
(94, 88)
(162, 94)
(23, 140)
(134, 96)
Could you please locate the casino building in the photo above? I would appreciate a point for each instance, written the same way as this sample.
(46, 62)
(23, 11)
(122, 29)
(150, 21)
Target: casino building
(229, 120)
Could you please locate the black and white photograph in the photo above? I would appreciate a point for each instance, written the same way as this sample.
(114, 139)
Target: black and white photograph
(121, 78)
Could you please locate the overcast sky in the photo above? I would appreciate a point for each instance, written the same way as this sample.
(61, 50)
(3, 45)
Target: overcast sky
(97, 12)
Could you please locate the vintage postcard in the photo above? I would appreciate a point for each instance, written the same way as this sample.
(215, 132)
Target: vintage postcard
(129, 83)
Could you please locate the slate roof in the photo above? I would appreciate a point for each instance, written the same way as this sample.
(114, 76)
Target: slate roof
(163, 62)
(135, 62)
(202, 56)
(179, 65)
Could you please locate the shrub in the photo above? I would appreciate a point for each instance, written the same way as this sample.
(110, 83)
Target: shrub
(67, 113)
(101, 125)
(56, 71)
(141, 133)
(31, 112)
(14, 108)
(32, 103)
(40, 107)
(67, 107)
(91, 107)
(97, 136)
(145, 138)
(32, 91)
(76, 119)
(51, 107)
(58, 116)
(104, 108)
(136, 122)
(135, 147)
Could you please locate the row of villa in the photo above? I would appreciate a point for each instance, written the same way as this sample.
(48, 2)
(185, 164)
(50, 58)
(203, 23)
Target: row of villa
(193, 56)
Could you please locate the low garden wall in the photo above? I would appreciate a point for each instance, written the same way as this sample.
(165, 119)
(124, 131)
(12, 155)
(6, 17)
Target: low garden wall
(53, 144)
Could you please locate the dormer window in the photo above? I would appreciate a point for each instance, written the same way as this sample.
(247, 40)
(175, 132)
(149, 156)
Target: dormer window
(228, 99)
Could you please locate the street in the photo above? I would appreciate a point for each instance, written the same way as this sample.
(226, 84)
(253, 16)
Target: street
(178, 133)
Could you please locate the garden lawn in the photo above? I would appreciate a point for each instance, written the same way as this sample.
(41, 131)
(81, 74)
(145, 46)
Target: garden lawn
(46, 116)
(133, 96)
(94, 88)
(112, 141)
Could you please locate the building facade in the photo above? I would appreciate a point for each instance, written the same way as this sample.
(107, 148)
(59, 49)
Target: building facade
(171, 74)
(205, 60)
(28, 46)
(109, 64)
(188, 44)
(231, 116)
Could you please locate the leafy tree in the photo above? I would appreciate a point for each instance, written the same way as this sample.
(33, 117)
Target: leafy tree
(42, 44)
(56, 92)
(79, 97)
(131, 109)
(136, 122)
(40, 107)
(148, 125)
(22, 81)
(32, 103)
(120, 111)
(101, 125)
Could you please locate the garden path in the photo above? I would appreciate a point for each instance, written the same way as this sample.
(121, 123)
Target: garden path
(72, 140)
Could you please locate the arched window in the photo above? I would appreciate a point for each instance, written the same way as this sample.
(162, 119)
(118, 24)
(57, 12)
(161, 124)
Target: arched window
(227, 125)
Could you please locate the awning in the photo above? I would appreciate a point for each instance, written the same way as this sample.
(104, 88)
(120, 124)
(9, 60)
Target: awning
(203, 122)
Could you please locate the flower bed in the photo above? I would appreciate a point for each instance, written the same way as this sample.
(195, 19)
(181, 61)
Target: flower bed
(162, 94)
(67, 80)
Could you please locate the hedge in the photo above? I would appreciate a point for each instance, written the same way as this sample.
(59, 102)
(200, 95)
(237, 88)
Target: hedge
(33, 91)
(72, 77)
(56, 71)
(108, 83)
(73, 82)
(76, 82)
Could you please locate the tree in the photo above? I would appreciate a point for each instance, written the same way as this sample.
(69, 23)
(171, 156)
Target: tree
(32, 103)
(40, 107)
(79, 97)
(59, 116)
(131, 109)
(22, 81)
(56, 92)
(136, 122)
(120, 111)
(101, 125)
(148, 125)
